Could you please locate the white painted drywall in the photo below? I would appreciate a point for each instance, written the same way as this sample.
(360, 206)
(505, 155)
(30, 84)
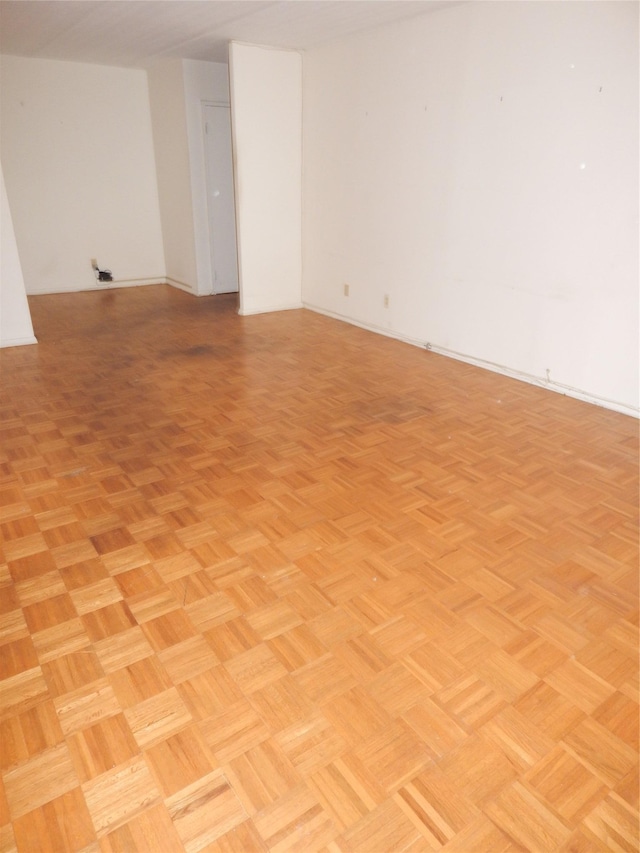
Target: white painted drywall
(15, 318)
(169, 121)
(203, 81)
(80, 177)
(479, 165)
(266, 110)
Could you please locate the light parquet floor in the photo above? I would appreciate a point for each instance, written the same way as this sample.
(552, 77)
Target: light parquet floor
(275, 583)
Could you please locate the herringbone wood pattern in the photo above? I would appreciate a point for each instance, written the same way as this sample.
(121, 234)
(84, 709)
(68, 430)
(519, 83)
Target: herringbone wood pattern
(275, 583)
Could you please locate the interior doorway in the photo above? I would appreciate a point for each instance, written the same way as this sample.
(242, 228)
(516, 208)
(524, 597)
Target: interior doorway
(216, 126)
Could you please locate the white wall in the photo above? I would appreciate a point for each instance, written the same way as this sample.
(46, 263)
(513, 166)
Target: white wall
(15, 319)
(78, 164)
(203, 81)
(169, 121)
(266, 110)
(479, 165)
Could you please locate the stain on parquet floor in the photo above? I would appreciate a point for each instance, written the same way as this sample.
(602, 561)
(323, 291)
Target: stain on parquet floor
(275, 583)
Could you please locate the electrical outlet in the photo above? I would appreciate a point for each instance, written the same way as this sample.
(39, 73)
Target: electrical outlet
(346, 289)
(94, 264)
(386, 300)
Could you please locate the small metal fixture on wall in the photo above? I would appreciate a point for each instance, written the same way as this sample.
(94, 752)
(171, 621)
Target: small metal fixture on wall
(101, 274)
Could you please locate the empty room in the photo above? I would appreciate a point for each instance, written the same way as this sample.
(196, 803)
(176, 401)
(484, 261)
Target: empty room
(319, 400)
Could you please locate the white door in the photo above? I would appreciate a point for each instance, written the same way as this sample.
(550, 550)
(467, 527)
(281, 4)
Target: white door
(220, 198)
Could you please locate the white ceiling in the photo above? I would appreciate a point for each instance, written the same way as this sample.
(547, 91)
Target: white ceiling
(137, 33)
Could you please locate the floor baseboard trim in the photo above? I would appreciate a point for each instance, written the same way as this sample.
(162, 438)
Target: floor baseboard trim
(103, 285)
(180, 285)
(18, 342)
(244, 312)
(540, 381)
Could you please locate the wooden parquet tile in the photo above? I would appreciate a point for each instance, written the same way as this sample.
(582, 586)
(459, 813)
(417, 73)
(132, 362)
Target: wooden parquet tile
(277, 584)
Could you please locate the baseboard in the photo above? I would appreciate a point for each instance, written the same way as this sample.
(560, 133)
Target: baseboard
(18, 342)
(102, 285)
(121, 282)
(269, 309)
(179, 285)
(539, 381)
(132, 282)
